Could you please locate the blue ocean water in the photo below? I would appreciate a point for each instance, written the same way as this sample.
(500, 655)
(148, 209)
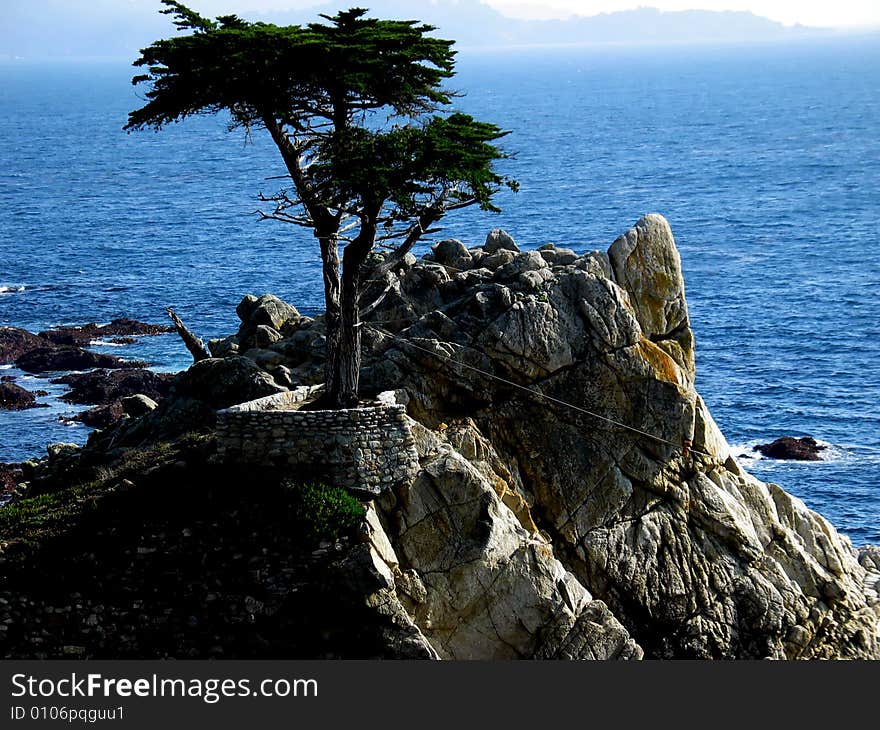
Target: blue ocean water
(765, 160)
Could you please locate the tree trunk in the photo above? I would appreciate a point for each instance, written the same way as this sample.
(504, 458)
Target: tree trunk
(343, 372)
(348, 363)
(333, 314)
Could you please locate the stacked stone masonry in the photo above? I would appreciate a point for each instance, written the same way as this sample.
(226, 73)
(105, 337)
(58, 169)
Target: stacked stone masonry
(369, 449)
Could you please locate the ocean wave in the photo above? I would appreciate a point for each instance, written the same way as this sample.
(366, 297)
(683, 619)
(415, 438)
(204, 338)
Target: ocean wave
(104, 343)
(12, 289)
(746, 452)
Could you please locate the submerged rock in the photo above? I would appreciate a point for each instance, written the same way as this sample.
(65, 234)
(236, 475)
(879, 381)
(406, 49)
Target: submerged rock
(795, 449)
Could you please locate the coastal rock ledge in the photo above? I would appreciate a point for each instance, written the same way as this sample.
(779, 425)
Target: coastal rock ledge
(665, 536)
(573, 497)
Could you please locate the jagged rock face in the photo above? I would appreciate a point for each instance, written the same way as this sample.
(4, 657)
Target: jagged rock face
(692, 555)
(478, 581)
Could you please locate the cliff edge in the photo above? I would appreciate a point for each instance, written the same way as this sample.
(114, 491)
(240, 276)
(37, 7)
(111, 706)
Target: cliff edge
(573, 496)
(619, 469)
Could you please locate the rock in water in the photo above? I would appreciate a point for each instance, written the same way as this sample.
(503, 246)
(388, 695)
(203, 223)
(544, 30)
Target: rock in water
(15, 398)
(795, 449)
(83, 335)
(15, 342)
(689, 555)
(64, 357)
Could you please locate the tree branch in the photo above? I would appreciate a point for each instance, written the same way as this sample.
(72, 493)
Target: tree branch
(193, 343)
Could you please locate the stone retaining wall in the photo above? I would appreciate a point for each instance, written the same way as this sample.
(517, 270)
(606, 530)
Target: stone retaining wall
(369, 449)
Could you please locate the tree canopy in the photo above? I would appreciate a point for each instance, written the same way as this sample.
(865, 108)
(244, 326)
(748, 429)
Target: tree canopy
(357, 108)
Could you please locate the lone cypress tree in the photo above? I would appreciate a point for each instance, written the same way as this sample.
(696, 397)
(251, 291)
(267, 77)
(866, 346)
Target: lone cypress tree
(353, 106)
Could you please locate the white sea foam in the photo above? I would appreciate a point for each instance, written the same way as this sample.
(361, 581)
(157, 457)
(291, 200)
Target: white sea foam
(6, 367)
(746, 452)
(105, 343)
(831, 453)
(13, 289)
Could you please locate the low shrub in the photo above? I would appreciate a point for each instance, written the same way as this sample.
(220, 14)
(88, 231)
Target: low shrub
(323, 512)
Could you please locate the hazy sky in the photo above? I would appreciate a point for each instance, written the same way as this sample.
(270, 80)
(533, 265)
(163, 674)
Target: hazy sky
(840, 13)
(826, 13)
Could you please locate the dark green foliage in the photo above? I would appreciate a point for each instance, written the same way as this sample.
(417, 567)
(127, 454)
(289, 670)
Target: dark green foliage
(406, 165)
(324, 513)
(353, 98)
(292, 73)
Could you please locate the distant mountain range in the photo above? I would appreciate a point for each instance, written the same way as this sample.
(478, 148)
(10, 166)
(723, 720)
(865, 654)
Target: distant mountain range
(109, 28)
(473, 24)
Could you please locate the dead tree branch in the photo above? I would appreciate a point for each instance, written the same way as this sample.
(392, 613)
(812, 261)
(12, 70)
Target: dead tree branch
(193, 343)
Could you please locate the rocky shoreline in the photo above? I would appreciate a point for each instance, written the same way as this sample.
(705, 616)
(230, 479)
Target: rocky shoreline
(107, 379)
(573, 499)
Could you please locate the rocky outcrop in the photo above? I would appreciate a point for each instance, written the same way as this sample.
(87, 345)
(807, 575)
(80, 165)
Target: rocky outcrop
(66, 358)
(478, 581)
(84, 335)
(615, 458)
(111, 390)
(221, 383)
(15, 398)
(101, 416)
(15, 342)
(138, 405)
(193, 401)
(795, 449)
(263, 319)
(10, 476)
(102, 387)
(574, 497)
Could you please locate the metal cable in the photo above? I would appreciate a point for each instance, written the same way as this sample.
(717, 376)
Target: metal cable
(532, 391)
